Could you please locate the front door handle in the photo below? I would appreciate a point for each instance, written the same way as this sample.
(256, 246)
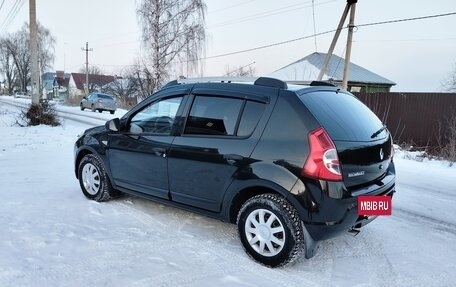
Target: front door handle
(160, 151)
(233, 158)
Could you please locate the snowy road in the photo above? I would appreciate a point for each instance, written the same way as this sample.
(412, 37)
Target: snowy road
(52, 236)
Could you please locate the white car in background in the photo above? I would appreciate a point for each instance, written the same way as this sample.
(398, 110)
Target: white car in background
(99, 102)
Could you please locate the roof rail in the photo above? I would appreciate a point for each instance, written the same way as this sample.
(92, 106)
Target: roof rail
(321, 83)
(258, 81)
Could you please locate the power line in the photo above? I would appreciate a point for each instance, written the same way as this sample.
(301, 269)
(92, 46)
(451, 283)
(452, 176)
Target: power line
(12, 14)
(229, 7)
(307, 37)
(1, 5)
(407, 19)
(285, 9)
(327, 32)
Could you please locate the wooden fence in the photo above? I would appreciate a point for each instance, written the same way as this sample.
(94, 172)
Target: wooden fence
(420, 119)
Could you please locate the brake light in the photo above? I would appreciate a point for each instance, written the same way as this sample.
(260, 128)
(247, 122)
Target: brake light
(323, 162)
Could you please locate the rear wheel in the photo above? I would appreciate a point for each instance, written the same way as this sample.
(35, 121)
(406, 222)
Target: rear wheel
(99, 111)
(93, 179)
(112, 112)
(82, 107)
(270, 230)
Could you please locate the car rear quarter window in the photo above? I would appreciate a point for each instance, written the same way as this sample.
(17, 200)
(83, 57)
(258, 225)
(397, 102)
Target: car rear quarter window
(250, 117)
(343, 116)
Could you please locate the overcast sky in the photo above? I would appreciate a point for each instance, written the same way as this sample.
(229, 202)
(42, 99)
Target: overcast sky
(417, 55)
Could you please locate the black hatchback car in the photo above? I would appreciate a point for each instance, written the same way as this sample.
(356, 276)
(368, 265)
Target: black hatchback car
(285, 163)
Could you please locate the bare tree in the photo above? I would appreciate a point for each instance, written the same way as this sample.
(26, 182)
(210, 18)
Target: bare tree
(7, 67)
(242, 71)
(172, 31)
(93, 70)
(16, 46)
(449, 83)
(125, 88)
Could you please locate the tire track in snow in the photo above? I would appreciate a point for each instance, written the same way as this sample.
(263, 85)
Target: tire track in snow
(427, 220)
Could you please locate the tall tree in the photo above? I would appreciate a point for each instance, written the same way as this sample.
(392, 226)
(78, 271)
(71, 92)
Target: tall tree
(7, 67)
(172, 31)
(17, 45)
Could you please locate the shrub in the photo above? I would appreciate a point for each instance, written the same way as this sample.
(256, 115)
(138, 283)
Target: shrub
(38, 114)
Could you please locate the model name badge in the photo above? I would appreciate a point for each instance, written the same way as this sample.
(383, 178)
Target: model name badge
(358, 173)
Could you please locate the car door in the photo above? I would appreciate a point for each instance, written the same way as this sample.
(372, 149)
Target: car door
(216, 144)
(138, 155)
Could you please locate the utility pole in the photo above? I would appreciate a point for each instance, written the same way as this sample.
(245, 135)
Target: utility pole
(87, 50)
(351, 25)
(35, 74)
(351, 5)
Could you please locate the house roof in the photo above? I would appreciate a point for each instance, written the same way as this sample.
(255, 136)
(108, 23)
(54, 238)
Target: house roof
(308, 68)
(99, 80)
(48, 79)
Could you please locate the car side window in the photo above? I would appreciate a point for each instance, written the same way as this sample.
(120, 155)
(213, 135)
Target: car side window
(156, 118)
(213, 116)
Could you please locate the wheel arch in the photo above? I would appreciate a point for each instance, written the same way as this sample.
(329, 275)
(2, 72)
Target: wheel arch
(240, 193)
(81, 153)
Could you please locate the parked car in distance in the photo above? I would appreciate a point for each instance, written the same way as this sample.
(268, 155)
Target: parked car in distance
(98, 102)
(285, 163)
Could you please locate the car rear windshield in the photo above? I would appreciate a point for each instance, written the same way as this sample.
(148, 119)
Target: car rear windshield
(343, 116)
(104, 97)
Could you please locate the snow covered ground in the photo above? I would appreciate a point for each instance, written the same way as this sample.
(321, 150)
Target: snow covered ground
(51, 235)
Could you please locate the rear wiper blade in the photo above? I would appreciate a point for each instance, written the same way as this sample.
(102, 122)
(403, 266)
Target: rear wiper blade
(378, 132)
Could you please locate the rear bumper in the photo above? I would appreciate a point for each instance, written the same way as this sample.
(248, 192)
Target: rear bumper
(328, 209)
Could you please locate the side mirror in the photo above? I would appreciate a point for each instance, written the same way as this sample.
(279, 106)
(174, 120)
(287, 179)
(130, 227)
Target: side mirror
(113, 125)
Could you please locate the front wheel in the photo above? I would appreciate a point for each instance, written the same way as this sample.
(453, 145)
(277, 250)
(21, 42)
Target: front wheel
(270, 230)
(112, 112)
(93, 179)
(93, 108)
(82, 107)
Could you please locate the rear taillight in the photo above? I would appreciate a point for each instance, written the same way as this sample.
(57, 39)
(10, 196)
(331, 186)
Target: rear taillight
(323, 162)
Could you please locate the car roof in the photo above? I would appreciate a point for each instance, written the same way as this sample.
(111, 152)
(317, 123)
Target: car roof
(255, 81)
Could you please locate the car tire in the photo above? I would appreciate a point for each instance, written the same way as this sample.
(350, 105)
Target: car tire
(93, 179)
(100, 111)
(112, 112)
(270, 230)
(93, 108)
(82, 107)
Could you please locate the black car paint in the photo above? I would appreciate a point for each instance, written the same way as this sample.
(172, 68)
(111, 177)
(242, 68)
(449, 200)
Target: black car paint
(223, 171)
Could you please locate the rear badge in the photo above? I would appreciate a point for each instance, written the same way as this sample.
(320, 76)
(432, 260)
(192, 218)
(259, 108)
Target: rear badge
(358, 173)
